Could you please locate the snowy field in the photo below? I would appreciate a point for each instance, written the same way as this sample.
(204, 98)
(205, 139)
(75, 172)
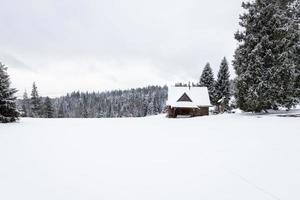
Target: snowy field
(224, 157)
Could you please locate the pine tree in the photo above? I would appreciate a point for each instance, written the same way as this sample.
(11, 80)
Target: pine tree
(25, 105)
(294, 14)
(146, 107)
(207, 80)
(265, 60)
(8, 108)
(84, 105)
(222, 86)
(35, 102)
(48, 110)
(61, 112)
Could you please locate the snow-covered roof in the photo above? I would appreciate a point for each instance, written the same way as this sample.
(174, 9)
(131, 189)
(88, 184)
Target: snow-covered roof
(197, 95)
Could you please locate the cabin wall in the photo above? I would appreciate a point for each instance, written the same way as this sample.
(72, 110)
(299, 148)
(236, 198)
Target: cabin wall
(202, 111)
(173, 112)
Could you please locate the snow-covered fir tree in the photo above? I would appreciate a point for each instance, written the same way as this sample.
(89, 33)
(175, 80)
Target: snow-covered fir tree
(48, 110)
(222, 85)
(294, 13)
(83, 105)
(8, 107)
(266, 58)
(35, 102)
(207, 80)
(60, 111)
(25, 105)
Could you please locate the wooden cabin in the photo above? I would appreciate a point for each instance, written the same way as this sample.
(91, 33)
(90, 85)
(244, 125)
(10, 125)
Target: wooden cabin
(187, 102)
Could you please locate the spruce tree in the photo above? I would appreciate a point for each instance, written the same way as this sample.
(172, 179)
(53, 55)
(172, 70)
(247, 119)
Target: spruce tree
(84, 105)
(8, 108)
(222, 86)
(294, 13)
(25, 105)
(148, 106)
(35, 102)
(265, 60)
(48, 110)
(207, 80)
(61, 112)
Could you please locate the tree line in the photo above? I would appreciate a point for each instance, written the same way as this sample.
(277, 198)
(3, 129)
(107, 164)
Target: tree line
(118, 103)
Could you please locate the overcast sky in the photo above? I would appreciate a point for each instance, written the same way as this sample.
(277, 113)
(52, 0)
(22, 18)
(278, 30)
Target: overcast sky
(96, 45)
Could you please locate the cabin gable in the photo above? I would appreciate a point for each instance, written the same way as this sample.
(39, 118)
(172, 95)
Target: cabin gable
(184, 97)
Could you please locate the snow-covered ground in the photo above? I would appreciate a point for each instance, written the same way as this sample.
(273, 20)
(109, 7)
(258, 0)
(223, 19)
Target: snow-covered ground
(223, 157)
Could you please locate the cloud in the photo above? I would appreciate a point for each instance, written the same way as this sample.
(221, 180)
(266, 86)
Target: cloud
(13, 62)
(124, 43)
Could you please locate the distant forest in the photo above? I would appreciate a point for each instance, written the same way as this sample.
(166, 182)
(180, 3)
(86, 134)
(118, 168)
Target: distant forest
(118, 103)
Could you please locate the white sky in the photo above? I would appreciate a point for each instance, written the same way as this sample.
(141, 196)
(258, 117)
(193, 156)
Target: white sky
(96, 45)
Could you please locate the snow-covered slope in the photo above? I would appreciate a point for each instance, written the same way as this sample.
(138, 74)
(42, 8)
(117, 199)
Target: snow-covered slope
(225, 157)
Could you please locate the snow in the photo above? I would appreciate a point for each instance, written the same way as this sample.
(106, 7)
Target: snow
(220, 157)
(198, 95)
